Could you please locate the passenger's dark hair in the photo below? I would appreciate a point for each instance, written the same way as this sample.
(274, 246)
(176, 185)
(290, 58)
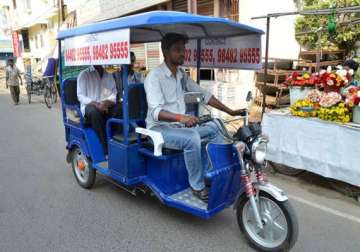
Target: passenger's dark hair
(171, 38)
(352, 64)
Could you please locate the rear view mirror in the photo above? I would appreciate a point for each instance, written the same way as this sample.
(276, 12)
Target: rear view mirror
(249, 96)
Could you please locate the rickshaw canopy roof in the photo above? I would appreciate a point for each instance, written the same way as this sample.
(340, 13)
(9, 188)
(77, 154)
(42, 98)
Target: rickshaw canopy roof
(152, 26)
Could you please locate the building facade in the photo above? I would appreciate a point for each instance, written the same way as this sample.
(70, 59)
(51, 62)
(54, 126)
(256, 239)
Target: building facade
(34, 25)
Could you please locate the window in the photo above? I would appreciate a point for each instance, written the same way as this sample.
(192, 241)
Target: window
(36, 42)
(41, 40)
(230, 9)
(27, 4)
(25, 38)
(207, 74)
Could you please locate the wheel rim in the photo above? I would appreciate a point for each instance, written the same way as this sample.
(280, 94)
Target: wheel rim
(82, 173)
(275, 226)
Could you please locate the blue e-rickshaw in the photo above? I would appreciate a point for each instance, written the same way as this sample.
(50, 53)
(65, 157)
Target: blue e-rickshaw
(137, 160)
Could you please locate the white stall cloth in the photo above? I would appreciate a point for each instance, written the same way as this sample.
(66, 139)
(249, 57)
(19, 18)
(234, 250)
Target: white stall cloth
(329, 149)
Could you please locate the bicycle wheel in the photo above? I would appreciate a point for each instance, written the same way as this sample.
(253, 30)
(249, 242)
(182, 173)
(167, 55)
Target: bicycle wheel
(28, 91)
(48, 97)
(54, 93)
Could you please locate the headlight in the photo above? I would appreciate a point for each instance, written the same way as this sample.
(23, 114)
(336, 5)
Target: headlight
(258, 150)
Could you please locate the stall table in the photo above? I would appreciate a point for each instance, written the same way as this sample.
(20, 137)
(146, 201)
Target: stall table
(329, 149)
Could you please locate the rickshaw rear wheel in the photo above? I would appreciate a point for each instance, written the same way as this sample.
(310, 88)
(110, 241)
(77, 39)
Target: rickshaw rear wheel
(82, 168)
(279, 220)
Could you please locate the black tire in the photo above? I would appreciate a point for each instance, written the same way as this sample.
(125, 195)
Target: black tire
(28, 92)
(344, 188)
(48, 97)
(54, 93)
(291, 220)
(85, 182)
(286, 170)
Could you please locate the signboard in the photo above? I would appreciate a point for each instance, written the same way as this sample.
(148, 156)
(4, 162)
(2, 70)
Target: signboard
(243, 52)
(15, 41)
(6, 46)
(105, 48)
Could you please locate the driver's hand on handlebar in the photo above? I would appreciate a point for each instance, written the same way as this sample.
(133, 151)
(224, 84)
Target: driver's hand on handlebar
(188, 120)
(239, 112)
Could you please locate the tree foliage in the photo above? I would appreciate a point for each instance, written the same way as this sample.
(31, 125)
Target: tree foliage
(345, 35)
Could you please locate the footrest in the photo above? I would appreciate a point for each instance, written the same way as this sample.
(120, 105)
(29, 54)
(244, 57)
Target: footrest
(187, 198)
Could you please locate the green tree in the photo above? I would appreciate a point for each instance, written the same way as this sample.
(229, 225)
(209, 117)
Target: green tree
(345, 35)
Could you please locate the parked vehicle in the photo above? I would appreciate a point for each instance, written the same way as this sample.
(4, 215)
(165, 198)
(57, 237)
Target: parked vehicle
(44, 85)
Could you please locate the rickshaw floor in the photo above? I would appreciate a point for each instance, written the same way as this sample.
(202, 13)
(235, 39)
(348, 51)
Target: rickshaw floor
(103, 165)
(189, 199)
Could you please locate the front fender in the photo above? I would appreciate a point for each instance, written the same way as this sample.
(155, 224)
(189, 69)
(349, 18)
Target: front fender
(274, 191)
(267, 187)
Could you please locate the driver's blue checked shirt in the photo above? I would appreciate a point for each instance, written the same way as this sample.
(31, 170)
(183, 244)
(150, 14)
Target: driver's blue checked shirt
(164, 91)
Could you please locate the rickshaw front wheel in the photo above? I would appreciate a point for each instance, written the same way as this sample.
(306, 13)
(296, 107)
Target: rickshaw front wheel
(82, 168)
(280, 226)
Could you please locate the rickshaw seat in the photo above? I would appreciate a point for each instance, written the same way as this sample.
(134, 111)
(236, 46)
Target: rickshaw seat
(71, 102)
(137, 108)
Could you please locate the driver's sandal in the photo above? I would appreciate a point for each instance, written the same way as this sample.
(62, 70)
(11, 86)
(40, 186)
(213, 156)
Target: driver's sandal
(201, 194)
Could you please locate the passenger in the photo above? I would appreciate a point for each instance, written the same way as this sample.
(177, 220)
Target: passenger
(164, 87)
(96, 92)
(133, 76)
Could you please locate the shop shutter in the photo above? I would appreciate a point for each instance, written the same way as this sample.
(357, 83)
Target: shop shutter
(153, 55)
(139, 50)
(205, 7)
(180, 5)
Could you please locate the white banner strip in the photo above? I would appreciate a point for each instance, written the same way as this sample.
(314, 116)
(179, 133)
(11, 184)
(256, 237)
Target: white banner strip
(105, 48)
(242, 52)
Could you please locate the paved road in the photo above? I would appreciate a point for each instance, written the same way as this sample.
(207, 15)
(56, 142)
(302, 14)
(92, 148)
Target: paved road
(43, 209)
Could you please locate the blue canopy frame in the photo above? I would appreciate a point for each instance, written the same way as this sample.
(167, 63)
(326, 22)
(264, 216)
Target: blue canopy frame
(151, 27)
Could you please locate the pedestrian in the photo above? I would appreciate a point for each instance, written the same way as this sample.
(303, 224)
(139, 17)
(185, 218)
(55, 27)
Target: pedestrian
(12, 80)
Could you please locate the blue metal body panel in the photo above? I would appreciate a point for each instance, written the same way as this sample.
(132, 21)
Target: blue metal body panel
(125, 160)
(168, 173)
(87, 140)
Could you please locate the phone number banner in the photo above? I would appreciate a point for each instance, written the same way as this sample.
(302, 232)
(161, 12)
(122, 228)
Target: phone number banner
(243, 52)
(105, 48)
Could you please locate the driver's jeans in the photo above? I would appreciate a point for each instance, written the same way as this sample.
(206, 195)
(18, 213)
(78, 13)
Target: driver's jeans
(189, 140)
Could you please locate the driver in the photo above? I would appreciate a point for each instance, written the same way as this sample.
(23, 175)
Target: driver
(164, 87)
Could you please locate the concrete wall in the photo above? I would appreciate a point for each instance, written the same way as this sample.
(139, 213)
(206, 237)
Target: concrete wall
(95, 10)
(282, 34)
(282, 31)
